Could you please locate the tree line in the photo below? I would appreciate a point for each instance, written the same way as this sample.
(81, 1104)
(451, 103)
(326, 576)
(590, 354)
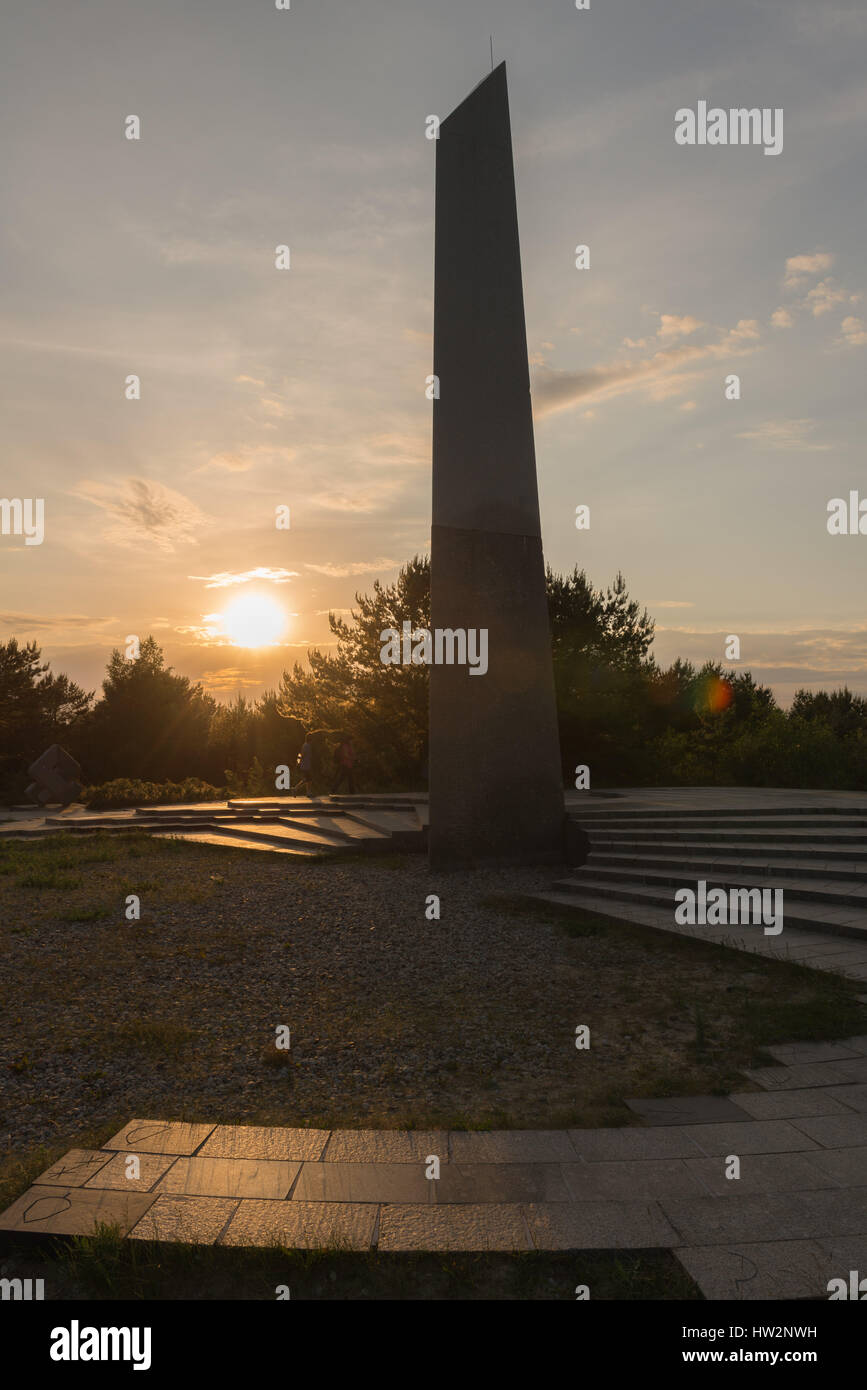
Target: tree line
(630, 720)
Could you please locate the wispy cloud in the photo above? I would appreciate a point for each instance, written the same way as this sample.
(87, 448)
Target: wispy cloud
(225, 578)
(665, 373)
(677, 325)
(342, 571)
(138, 509)
(789, 435)
(799, 267)
(822, 297)
(854, 332)
(242, 459)
(229, 678)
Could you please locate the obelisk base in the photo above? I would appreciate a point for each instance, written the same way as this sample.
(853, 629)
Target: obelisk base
(496, 786)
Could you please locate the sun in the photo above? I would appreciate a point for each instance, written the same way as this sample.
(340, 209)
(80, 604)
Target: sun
(254, 620)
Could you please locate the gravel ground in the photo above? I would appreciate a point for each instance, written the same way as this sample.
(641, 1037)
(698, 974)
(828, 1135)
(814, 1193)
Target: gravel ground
(395, 1020)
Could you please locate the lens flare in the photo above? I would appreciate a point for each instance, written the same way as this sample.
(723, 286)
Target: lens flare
(713, 695)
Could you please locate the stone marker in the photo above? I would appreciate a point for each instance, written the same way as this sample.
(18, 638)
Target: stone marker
(496, 786)
(55, 777)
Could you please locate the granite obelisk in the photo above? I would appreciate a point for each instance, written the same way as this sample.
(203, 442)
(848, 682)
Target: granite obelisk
(496, 787)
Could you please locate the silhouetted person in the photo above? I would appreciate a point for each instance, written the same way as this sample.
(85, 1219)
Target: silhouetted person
(345, 759)
(305, 765)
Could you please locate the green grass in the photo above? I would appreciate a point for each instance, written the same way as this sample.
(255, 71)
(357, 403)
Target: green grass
(106, 1267)
(154, 1038)
(96, 913)
(801, 1004)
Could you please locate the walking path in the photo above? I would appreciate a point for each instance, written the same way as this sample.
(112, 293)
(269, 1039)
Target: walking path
(795, 1218)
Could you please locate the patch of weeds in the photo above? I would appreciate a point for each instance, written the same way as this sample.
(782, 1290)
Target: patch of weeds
(570, 920)
(47, 878)
(278, 1059)
(85, 914)
(153, 1037)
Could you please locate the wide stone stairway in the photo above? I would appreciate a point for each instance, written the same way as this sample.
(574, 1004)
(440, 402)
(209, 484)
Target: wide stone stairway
(645, 845)
(300, 826)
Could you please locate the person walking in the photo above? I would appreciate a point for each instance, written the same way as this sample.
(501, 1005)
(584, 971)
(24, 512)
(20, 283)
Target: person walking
(345, 759)
(305, 766)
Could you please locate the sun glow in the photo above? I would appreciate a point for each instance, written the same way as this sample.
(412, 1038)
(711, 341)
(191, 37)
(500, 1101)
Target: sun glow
(254, 620)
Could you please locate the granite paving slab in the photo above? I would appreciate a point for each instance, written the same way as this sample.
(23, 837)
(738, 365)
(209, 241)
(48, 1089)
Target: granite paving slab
(407, 1183)
(848, 1167)
(788, 1105)
(685, 1110)
(760, 1173)
(501, 1182)
(631, 1180)
(114, 1174)
(599, 1226)
(855, 1097)
(797, 1078)
(190, 1220)
(302, 1225)
(229, 1177)
(363, 1182)
(386, 1146)
(855, 1070)
(159, 1137)
(613, 1145)
(464, 1227)
(804, 1053)
(75, 1168)
(834, 1131)
(751, 1137)
(259, 1141)
(772, 1216)
(512, 1146)
(73, 1211)
(777, 1269)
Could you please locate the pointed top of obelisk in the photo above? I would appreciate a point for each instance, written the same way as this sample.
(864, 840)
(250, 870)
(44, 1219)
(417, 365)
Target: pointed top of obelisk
(485, 106)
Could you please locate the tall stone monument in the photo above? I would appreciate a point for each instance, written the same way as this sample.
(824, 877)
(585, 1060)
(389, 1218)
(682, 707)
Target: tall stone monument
(496, 787)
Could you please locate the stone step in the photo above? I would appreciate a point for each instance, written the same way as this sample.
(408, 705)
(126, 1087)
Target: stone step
(341, 827)
(225, 840)
(274, 832)
(404, 827)
(738, 876)
(714, 835)
(700, 865)
(832, 851)
(796, 944)
(799, 824)
(822, 917)
(318, 805)
(651, 813)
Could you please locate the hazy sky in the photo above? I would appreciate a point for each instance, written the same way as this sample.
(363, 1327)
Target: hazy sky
(306, 387)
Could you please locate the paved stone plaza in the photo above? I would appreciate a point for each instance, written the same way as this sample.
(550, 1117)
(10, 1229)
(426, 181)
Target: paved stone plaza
(299, 826)
(794, 1219)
